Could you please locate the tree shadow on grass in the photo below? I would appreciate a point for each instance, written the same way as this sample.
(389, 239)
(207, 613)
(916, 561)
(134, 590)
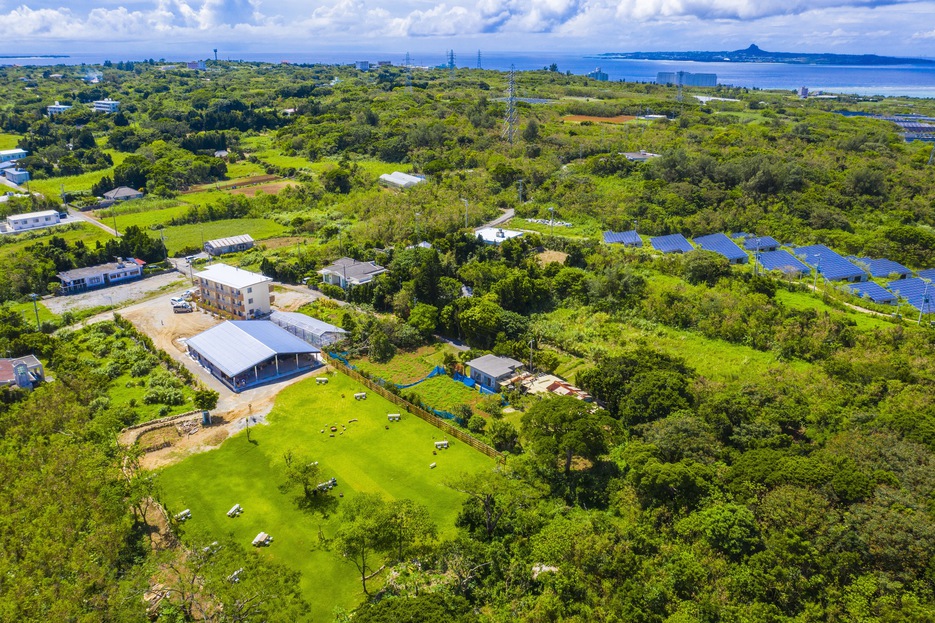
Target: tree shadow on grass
(322, 503)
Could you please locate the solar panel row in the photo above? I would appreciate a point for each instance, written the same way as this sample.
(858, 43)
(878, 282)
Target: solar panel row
(882, 268)
(764, 243)
(783, 261)
(917, 292)
(829, 264)
(872, 291)
(673, 243)
(722, 245)
(928, 273)
(626, 238)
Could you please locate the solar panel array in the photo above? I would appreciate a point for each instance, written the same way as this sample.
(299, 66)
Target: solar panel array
(765, 243)
(928, 273)
(722, 245)
(914, 291)
(626, 238)
(673, 243)
(883, 268)
(829, 264)
(870, 290)
(784, 261)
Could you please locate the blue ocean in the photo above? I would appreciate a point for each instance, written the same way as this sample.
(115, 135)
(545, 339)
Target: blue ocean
(900, 80)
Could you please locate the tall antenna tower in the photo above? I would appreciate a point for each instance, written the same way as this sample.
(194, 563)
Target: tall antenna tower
(510, 119)
(451, 63)
(479, 65)
(215, 55)
(408, 64)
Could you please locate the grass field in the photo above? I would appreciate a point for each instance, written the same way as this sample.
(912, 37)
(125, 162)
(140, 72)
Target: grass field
(28, 312)
(445, 394)
(188, 236)
(84, 231)
(366, 458)
(52, 187)
(406, 366)
(143, 220)
(9, 141)
(808, 300)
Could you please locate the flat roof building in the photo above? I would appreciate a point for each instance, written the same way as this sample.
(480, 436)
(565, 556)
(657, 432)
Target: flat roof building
(32, 220)
(491, 371)
(21, 371)
(350, 272)
(246, 353)
(686, 78)
(106, 105)
(496, 235)
(10, 155)
(81, 279)
(16, 176)
(57, 109)
(233, 244)
(234, 291)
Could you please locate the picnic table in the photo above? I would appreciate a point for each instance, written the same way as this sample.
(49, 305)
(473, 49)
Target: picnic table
(262, 539)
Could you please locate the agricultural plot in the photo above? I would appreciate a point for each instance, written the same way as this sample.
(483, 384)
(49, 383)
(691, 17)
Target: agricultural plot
(85, 232)
(367, 454)
(406, 366)
(180, 237)
(52, 187)
(9, 141)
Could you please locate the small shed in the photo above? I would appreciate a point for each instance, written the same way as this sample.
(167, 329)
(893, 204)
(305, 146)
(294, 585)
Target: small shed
(233, 244)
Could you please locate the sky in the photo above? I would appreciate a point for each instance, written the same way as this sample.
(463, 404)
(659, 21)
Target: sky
(151, 27)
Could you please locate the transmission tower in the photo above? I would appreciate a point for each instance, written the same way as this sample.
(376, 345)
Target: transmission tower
(451, 63)
(479, 65)
(510, 119)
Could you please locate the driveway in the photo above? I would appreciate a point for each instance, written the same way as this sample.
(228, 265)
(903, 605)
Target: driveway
(116, 296)
(78, 215)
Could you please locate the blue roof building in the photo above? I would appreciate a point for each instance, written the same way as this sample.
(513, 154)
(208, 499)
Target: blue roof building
(626, 238)
(673, 243)
(783, 261)
(722, 245)
(829, 264)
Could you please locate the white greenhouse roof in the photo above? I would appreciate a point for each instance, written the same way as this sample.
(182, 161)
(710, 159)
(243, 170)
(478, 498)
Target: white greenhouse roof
(236, 346)
(311, 325)
(231, 276)
(231, 241)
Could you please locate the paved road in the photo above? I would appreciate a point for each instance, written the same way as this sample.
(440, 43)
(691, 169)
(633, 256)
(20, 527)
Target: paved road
(499, 220)
(78, 215)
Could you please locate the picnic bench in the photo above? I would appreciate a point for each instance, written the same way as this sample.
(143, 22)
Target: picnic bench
(321, 380)
(392, 417)
(235, 510)
(441, 444)
(185, 514)
(360, 396)
(262, 539)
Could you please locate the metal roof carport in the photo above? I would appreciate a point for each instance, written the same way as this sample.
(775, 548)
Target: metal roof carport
(244, 353)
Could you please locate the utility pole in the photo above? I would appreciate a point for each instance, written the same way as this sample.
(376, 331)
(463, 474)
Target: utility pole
(521, 191)
(531, 342)
(817, 270)
(35, 307)
(922, 306)
(465, 202)
(756, 255)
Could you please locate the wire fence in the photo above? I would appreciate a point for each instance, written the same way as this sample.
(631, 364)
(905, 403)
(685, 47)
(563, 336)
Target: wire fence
(341, 364)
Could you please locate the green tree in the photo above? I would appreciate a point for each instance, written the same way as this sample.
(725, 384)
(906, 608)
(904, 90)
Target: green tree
(206, 399)
(302, 472)
(562, 427)
(364, 535)
(424, 318)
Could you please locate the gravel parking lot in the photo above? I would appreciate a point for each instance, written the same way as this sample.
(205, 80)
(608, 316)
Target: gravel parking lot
(119, 294)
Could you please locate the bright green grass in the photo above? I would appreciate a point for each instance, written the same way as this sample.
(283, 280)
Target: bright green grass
(9, 141)
(244, 169)
(445, 394)
(85, 232)
(367, 458)
(808, 300)
(27, 311)
(582, 230)
(188, 236)
(277, 159)
(406, 366)
(144, 220)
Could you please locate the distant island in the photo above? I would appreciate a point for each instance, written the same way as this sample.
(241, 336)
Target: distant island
(25, 56)
(753, 54)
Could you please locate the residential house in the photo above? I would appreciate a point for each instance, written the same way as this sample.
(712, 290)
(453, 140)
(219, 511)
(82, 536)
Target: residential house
(496, 235)
(492, 371)
(234, 291)
(81, 279)
(123, 193)
(348, 272)
(21, 371)
(233, 244)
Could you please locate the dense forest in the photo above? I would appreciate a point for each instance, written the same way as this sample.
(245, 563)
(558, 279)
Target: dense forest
(757, 450)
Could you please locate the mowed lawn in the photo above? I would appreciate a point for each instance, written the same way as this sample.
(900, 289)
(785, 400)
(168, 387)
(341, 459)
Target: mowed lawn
(368, 457)
(9, 141)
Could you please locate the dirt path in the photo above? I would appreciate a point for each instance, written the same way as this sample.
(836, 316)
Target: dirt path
(862, 310)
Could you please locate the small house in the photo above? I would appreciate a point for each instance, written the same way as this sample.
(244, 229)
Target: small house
(491, 371)
(233, 244)
(348, 272)
(81, 279)
(32, 220)
(123, 193)
(16, 176)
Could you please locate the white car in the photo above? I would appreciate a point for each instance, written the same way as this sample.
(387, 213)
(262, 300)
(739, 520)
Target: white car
(176, 301)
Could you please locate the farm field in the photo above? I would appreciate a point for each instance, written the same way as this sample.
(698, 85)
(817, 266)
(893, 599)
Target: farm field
(52, 187)
(9, 141)
(85, 232)
(367, 458)
(180, 237)
(406, 366)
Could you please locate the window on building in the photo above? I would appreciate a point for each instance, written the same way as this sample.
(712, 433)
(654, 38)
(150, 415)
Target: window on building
(249, 301)
(249, 290)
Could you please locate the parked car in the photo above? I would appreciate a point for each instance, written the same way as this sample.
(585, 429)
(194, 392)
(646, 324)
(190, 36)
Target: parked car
(182, 308)
(176, 301)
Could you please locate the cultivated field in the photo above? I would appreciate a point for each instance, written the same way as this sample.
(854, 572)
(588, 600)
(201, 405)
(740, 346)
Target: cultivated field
(366, 457)
(581, 118)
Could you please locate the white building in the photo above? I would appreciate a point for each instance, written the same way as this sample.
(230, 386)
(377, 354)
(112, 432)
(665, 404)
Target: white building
(234, 291)
(496, 235)
(686, 78)
(106, 105)
(639, 156)
(33, 220)
(11, 155)
(401, 180)
(57, 109)
(81, 279)
(16, 176)
(233, 244)
(197, 65)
